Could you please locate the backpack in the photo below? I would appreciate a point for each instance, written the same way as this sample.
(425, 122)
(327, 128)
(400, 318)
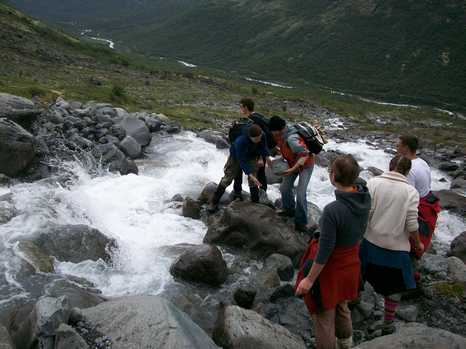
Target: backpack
(312, 136)
(263, 123)
(237, 129)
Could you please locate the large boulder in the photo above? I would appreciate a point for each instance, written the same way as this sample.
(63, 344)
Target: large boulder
(239, 328)
(18, 109)
(283, 265)
(41, 323)
(68, 338)
(214, 137)
(452, 200)
(78, 295)
(417, 336)
(255, 228)
(130, 147)
(5, 340)
(69, 243)
(458, 247)
(191, 209)
(146, 322)
(208, 192)
(17, 149)
(137, 129)
(201, 263)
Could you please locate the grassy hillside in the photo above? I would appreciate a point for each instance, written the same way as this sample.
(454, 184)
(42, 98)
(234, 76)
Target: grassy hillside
(39, 61)
(404, 50)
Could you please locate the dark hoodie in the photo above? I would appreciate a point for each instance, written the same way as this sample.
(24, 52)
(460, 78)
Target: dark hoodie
(343, 222)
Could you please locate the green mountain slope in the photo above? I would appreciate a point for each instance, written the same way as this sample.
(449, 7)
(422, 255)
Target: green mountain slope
(407, 50)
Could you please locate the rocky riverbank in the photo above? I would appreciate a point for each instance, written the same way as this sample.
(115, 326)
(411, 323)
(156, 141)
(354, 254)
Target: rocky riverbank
(234, 291)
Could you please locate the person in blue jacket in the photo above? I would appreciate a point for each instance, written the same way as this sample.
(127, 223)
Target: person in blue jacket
(246, 155)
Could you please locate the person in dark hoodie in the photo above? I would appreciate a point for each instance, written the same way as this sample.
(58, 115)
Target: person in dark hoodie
(246, 155)
(329, 276)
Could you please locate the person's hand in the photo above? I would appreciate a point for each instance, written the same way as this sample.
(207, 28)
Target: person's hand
(288, 172)
(419, 247)
(255, 181)
(304, 287)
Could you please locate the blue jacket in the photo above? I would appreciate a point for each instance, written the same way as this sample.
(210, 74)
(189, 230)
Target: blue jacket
(244, 150)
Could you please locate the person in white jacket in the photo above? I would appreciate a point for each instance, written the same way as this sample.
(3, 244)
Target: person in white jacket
(385, 249)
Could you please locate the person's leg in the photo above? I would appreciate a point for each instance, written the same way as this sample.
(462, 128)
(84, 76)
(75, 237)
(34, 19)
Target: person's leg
(262, 177)
(343, 326)
(286, 189)
(238, 185)
(301, 218)
(391, 304)
(324, 329)
(230, 172)
(253, 188)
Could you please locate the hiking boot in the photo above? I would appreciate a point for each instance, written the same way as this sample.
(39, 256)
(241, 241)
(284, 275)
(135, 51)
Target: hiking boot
(254, 194)
(302, 228)
(238, 196)
(286, 213)
(213, 207)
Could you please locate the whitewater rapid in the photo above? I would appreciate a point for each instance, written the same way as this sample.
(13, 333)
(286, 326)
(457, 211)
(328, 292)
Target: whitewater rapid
(138, 213)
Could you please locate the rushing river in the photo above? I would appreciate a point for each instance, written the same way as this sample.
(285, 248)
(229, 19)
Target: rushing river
(136, 211)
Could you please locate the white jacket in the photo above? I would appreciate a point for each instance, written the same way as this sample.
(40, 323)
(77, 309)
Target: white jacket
(394, 211)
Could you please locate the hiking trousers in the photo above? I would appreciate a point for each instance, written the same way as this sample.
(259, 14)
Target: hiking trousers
(238, 182)
(331, 325)
(288, 196)
(233, 169)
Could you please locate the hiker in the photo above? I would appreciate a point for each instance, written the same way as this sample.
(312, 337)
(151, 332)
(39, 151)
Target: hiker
(246, 155)
(294, 150)
(329, 276)
(250, 117)
(420, 177)
(385, 249)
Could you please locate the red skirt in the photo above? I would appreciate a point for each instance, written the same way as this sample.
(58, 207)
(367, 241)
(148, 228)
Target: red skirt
(339, 280)
(429, 208)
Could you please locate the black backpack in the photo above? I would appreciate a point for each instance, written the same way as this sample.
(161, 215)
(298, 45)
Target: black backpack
(237, 129)
(263, 123)
(313, 136)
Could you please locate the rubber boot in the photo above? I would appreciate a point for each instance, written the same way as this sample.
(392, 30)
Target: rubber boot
(213, 207)
(254, 194)
(345, 343)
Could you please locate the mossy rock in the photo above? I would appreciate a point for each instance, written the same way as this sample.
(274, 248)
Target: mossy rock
(450, 289)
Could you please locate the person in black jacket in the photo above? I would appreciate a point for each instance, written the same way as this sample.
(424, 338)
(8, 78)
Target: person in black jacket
(253, 118)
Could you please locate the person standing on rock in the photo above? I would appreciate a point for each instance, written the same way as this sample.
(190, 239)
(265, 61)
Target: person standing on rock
(420, 177)
(246, 155)
(385, 249)
(250, 118)
(329, 275)
(301, 164)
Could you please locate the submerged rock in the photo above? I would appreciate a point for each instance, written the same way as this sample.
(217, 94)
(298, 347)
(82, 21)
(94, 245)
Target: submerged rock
(17, 148)
(255, 228)
(201, 263)
(239, 328)
(417, 336)
(67, 243)
(145, 321)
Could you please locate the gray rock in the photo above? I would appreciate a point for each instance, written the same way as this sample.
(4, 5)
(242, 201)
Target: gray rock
(130, 147)
(274, 174)
(283, 291)
(17, 108)
(208, 192)
(256, 228)
(458, 247)
(456, 269)
(145, 321)
(451, 200)
(17, 148)
(79, 296)
(137, 129)
(448, 166)
(49, 314)
(283, 265)
(68, 338)
(417, 336)
(177, 198)
(154, 125)
(239, 328)
(459, 184)
(5, 340)
(201, 263)
(361, 311)
(244, 296)
(408, 313)
(35, 257)
(191, 208)
(214, 137)
(72, 243)
(374, 171)
(435, 264)
(115, 159)
(118, 131)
